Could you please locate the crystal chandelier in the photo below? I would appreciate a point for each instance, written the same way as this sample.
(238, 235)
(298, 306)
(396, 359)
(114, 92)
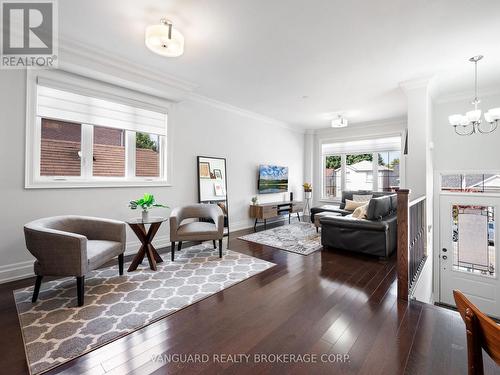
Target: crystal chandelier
(470, 123)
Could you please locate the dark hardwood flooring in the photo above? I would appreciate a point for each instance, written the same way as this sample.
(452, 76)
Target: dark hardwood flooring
(329, 302)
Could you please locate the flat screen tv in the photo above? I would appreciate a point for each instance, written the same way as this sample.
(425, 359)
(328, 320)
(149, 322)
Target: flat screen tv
(273, 179)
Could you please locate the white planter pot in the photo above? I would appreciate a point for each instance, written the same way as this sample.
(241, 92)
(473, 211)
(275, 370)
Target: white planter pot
(145, 215)
(307, 194)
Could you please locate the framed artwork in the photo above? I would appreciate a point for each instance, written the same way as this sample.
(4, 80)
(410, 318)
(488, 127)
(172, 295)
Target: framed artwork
(219, 189)
(218, 173)
(204, 169)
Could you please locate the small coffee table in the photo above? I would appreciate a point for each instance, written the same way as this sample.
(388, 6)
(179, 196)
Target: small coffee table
(146, 237)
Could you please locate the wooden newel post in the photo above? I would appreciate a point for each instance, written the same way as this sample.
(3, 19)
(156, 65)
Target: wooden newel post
(403, 235)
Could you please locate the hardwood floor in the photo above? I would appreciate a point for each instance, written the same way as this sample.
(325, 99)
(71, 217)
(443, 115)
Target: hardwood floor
(326, 303)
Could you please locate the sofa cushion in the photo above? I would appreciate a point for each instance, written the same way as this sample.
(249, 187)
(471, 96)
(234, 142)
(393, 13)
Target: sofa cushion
(349, 194)
(99, 252)
(352, 205)
(360, 212)
(378, 208)
(197, 230)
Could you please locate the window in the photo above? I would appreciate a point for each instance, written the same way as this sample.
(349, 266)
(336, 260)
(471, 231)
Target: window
(109, 152)
(60, 147)
(358, 169)
(85, 140)
(331, 177)
(474, 239)
(352, 165)
(471, 183)
(147, 155)
(388, 170)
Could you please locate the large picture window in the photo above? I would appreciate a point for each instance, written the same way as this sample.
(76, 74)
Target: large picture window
(84, 140)
(360, 165)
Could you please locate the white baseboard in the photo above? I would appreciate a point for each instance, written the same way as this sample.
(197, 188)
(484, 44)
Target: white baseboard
(22, 270)
(16, 271)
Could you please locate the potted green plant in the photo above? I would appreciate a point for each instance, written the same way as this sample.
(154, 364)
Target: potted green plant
(255, 200)
(146, 203)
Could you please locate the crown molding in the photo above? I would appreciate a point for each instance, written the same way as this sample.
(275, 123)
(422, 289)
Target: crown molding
(242, 112)
(77, 49)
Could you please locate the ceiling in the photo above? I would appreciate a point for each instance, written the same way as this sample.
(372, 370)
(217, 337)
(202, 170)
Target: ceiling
(302, 61)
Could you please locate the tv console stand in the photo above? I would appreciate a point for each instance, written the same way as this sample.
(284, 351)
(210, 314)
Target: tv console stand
(265, 211)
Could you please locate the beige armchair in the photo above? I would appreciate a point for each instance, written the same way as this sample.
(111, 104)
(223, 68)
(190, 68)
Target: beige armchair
(196, 230)
(73, 246)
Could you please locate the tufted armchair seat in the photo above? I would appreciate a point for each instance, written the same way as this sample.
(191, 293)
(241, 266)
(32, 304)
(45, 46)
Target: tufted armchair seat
(73, 246)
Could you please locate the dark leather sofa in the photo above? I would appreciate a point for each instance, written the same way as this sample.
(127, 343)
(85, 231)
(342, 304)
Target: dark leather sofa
(376, 235)
(348, 194)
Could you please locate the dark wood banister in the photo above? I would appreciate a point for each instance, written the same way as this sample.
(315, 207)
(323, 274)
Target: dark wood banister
(409, 250)
(402, 250)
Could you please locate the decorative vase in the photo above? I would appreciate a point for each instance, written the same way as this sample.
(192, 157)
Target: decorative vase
(307, 193)
(145, 215)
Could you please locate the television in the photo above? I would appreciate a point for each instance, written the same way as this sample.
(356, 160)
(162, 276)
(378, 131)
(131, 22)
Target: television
(272, 179)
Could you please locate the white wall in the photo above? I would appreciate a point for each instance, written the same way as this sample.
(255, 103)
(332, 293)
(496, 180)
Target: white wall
(198, 129)
(480, 152)
(454, 153)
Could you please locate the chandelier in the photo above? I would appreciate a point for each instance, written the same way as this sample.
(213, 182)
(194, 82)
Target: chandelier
(470, 123)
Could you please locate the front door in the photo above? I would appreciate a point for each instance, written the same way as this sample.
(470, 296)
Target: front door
(468, 255)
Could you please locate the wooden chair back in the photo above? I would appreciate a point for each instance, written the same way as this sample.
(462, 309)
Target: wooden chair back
(482, 333)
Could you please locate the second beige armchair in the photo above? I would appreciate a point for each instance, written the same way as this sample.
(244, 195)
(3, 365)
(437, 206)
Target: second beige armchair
(196, 230)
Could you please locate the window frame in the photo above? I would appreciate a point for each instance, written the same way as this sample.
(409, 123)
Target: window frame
(33, 179)
(343, 175)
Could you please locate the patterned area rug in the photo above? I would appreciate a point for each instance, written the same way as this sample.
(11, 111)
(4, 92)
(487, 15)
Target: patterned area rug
(56, 331)
(300, 238)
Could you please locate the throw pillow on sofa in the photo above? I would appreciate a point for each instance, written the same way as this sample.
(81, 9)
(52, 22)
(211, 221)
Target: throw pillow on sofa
(360, 212)
(361, 198)
(352, 205)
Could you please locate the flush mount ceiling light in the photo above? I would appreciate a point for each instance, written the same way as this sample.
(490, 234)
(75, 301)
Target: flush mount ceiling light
(164, 39)
(470, 123)
(339, 122)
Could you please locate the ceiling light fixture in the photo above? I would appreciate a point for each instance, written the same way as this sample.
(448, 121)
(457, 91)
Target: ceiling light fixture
(470, 123)
(339, 122)
(164, 39)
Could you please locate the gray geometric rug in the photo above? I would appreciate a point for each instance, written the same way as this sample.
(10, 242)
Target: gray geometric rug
(300, 238)
(56, 331)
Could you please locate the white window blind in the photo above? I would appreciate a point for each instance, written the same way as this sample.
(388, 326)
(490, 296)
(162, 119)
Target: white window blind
(362, 146)
(55, 103)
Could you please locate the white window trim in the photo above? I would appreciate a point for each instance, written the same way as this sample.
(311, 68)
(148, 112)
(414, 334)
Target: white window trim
(343, 172)
(33, 180)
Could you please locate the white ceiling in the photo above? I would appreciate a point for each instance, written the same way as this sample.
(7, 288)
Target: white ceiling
(301, 61)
